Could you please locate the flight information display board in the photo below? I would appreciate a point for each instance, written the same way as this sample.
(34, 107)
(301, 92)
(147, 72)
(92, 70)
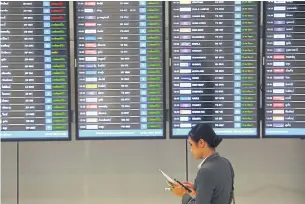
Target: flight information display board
(34, 70)
(214, 66)
(120, 69)
(284, 73)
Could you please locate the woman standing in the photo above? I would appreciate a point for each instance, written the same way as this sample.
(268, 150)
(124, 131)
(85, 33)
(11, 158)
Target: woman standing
(214, 183)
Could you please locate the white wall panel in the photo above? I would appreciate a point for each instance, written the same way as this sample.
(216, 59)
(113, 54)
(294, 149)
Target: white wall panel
(8, 173)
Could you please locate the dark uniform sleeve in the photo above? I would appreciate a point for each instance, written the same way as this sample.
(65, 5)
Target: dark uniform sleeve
(205, 185)
(233, 177)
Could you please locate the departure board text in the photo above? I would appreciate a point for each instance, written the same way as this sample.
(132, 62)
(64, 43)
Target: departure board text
(34, 70)
(120, 67)
(214, 64)
(284, 85)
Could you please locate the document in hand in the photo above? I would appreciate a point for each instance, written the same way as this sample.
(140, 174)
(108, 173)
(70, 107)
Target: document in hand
(170, 182)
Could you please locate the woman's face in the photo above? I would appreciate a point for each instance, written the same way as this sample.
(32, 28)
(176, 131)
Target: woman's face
(196, 148)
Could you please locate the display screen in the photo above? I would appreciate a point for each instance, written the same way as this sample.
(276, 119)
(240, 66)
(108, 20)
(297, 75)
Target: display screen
(284, 73)
(120, 69)
(214, 66)
(34, 70)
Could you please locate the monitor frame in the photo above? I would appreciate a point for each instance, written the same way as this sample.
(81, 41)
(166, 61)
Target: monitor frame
(78, 137)
(70, 115)
(258, 81)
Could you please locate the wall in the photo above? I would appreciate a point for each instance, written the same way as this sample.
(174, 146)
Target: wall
(90, 172)
(267, 171)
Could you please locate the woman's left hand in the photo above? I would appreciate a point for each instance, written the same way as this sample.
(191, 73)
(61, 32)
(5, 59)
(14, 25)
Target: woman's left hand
(178, 190)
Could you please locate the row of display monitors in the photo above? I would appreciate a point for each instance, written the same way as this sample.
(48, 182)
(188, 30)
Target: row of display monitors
(120, 69)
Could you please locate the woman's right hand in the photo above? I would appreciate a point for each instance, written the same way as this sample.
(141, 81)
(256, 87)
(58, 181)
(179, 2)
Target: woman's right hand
(191, 186)
(188, 184)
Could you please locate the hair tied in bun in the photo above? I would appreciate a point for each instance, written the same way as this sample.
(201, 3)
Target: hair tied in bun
(216, 141)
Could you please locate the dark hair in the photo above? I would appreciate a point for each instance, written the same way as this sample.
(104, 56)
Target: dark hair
(205, 131)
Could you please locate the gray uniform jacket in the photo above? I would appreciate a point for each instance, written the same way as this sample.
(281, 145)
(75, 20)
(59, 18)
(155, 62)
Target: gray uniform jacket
(214, 183)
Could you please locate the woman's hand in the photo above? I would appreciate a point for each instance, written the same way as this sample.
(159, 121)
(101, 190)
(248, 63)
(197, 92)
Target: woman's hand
(190, 185)
(178, 190)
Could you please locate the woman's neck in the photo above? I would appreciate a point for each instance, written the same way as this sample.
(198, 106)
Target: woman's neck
(209, 153)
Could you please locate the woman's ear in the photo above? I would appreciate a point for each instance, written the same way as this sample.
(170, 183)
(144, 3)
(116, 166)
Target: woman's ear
(201, 143)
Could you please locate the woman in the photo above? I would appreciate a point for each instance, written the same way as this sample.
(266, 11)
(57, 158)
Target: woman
(214, 183)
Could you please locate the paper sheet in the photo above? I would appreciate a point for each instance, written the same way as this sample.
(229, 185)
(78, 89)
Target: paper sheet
(169, 180)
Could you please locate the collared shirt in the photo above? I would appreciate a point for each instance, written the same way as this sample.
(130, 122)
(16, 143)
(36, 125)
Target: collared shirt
(199, 166)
